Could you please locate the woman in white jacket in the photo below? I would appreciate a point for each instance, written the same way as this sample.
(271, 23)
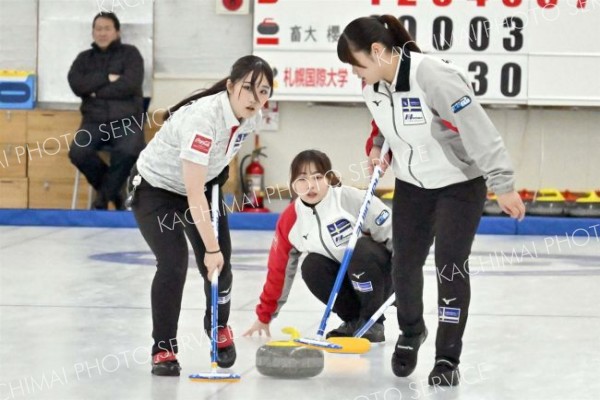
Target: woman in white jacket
(172, 177)
(314, 231)
(444, 150)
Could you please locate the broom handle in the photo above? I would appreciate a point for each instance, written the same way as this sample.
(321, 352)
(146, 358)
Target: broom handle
(353, 239)
(214, 281)
(375, 316)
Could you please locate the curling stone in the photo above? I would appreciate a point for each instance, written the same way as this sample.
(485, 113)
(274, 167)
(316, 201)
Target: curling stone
(491, 206)
(570, 198)
(548, 202)
(586, 206)
(288, 359)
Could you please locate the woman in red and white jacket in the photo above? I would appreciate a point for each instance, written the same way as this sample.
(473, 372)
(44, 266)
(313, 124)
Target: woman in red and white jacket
(313, 232)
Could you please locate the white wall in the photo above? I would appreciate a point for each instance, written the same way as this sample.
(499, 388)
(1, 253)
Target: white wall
(553, 147)
(18, 34)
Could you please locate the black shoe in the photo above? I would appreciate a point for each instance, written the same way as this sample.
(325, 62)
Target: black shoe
(226, 354)
(346, 329)
(404, 360)
(165, 364)
(375, 334)
(444, 373)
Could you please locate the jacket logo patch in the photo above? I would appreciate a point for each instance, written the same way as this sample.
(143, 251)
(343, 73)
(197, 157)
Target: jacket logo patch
(381, 218)
(449, 315)
(363, 287)
(376, 102)
(412, 111)
(340, 232)
(237, 143)
(460, 104)
(202, 144)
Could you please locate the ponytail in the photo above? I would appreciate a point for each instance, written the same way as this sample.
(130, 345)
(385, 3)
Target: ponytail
(360, 34)
(399, 33)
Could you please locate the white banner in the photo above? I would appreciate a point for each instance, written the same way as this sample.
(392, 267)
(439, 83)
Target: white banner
(320, 77)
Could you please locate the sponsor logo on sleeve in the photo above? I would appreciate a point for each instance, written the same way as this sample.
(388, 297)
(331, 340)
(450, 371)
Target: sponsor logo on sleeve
(460, 104)
(202, 144)
(382, 217)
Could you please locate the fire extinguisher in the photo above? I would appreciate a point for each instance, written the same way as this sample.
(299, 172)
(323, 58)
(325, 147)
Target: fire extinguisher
(253, 181)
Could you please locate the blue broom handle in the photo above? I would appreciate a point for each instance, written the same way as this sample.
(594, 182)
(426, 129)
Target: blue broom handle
(353, 239)
(214, 280)
(214, 293)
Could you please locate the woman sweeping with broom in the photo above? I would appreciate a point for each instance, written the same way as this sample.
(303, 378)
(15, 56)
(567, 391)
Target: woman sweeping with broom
(189, 154)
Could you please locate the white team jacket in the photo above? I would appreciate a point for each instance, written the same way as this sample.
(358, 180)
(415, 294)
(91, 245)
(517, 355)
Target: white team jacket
(438, 133)
(324, 229)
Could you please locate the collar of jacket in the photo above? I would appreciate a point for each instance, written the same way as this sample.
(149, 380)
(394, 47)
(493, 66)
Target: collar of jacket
(113, 45)
(230, 119)
(402, 78)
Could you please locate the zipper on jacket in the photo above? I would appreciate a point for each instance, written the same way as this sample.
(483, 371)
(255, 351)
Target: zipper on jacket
(321, 236)
(397, 134)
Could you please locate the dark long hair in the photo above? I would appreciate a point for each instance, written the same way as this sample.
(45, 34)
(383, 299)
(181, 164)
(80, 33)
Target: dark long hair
(360, 34)
(242, 67)
(320, 160)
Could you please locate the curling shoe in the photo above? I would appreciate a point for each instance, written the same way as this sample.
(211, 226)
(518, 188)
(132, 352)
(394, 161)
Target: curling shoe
(444, 373)
(165, 363)
(404, 359)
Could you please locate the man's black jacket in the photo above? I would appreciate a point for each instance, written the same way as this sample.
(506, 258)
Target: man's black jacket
(104, 101)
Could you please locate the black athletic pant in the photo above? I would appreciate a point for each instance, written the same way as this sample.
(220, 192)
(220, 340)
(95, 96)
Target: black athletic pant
(124, 146)
(367, 284)
(165, 220)
(451, 215)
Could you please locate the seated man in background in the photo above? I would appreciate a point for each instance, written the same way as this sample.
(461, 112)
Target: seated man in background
(108, 78)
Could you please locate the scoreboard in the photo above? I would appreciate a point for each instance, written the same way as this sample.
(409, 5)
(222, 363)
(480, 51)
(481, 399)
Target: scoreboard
(535, 52)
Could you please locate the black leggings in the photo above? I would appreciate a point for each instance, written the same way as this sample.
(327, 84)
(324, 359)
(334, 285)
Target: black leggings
(367, 284)
(165, 221)
(451, 215)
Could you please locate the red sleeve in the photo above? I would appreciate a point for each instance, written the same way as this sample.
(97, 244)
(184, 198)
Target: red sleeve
(278, 260)
(374, 132)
